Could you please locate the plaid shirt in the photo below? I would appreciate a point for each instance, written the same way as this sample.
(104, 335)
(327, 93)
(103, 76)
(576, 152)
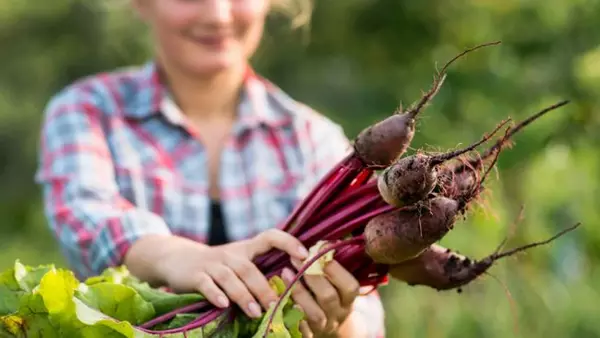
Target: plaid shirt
(118, 161)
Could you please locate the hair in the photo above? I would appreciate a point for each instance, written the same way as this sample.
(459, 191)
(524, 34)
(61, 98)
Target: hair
(299, 11)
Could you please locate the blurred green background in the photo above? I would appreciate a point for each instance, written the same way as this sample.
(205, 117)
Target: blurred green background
(359, 60)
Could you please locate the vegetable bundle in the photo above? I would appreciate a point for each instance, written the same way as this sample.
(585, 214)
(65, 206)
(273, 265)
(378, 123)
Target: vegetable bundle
(377, 212)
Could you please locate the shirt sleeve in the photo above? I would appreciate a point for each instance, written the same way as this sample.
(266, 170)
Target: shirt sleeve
(94, 225)
(329, 146)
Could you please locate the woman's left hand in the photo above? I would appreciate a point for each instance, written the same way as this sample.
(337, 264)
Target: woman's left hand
(328, 302)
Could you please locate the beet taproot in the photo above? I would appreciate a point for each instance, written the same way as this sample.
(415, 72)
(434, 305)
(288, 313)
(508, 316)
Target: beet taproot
(401, 234)
(443, 269)
(411, 179)
(379, 145)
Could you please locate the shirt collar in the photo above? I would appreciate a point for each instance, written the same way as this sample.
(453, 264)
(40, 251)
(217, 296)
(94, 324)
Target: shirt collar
(261, 102)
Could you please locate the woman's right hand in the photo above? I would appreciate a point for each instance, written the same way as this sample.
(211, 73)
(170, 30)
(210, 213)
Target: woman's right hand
(226, 273)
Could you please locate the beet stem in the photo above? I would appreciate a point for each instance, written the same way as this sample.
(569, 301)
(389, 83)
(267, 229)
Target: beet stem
(326, 191)
(349, 197)
(169, 315)
(204, 319)
(324, 228)
(344, 228)
(332, 172)
(437, 159)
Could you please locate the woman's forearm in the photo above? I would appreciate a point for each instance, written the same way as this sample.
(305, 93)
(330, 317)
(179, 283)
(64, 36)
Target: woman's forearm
(146, 257)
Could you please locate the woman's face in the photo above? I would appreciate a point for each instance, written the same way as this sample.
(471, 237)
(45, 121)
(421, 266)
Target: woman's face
(205, 37)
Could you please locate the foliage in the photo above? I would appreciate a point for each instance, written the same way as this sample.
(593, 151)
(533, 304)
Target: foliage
(46, 301)
(359, 61)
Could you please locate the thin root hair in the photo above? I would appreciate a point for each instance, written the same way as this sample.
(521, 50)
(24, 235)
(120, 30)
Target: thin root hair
(514, 251)
(449, 155)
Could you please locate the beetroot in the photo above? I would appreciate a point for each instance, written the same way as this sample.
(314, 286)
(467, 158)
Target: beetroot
(399, 235)
(443, 269)
(382, 143)
(412, 178)
(383, 226)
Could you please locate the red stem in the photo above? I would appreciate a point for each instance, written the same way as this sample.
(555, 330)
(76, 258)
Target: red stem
(349, 197)
(344, 215)
(310, 237)
(204, 319)
(347, 228)
(340, 182)
(163, 318)
(326, 179)
(295, 223)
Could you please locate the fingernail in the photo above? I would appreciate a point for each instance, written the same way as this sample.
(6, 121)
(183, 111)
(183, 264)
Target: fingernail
(287, 274)
(223, 301)
(303, 252)
(254, 309)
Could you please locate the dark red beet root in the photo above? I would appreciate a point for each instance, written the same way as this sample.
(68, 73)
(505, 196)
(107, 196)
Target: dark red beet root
(381, 144)
(435, 267)
(443, 269)
(408, 181)
(399, 235)
(413, 178)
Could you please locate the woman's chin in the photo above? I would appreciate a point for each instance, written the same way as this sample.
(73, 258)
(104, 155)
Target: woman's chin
(214, 66)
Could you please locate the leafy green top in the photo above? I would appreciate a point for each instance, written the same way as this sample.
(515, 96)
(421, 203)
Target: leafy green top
(46, 301)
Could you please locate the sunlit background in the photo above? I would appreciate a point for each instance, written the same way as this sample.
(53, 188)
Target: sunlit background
(358, 61)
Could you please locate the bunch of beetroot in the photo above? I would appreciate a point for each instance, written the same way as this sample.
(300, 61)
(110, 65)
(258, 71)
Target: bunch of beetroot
(381, 213)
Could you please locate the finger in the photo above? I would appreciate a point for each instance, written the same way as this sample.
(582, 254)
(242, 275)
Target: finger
(315, 316)
(235, 289)
(305, 330)
(256, 282)
(326, 294)
(275, 238)
(207, 287)
(347, 286)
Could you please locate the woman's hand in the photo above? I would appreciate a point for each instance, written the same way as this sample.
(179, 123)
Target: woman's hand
(329, 300)
(224, 273)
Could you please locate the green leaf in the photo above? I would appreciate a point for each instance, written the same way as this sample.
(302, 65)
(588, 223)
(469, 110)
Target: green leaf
(36, 297)
(12, 325)
(46, 302)
(57, 288)
(115, 275)
(164, 301)
(10, 293)
(279, 328)
(225, 330)
(117, 301)
(29, 277)
(100, 325)
(292, 318)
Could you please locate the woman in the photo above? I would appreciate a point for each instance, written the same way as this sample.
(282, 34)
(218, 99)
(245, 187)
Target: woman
(145, 166)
